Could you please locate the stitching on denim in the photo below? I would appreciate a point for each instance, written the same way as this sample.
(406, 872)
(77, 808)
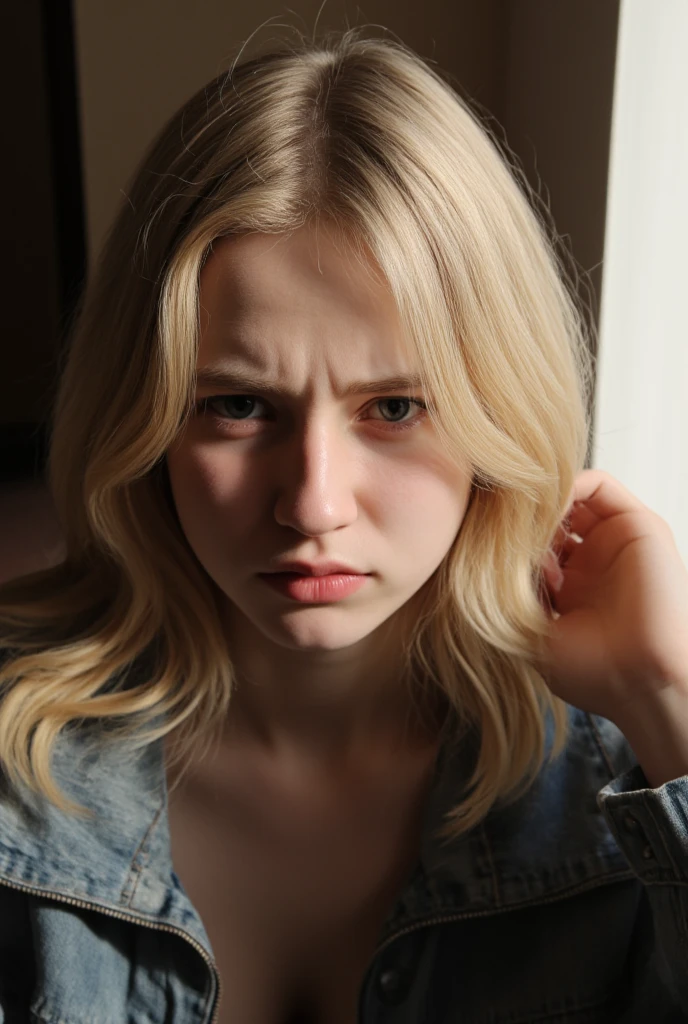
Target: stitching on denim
(676, 908)
(600, 743)
(658, 830)
(139, 861)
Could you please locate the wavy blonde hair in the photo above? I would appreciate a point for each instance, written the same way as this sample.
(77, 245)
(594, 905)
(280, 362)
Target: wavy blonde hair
(125, 633)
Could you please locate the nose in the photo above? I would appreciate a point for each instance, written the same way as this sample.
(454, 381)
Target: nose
(317, 479)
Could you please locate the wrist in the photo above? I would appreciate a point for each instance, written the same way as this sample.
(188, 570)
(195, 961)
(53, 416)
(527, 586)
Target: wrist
(657, 730)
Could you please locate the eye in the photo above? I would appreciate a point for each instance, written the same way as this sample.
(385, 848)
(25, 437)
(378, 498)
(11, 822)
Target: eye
(409, 403)
(239, 400)
(205, 407)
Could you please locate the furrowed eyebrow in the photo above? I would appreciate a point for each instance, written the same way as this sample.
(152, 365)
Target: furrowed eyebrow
(236, 380)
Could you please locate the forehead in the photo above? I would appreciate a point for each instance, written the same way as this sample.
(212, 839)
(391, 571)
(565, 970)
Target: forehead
(307, 286)
(258, 272)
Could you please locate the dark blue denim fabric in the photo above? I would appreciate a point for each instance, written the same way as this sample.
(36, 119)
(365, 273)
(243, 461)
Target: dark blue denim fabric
(570, 905)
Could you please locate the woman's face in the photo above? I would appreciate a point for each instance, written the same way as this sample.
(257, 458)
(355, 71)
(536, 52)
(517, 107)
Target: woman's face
(320, 470)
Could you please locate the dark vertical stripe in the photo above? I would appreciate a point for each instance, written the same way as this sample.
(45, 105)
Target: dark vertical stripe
(59, 49)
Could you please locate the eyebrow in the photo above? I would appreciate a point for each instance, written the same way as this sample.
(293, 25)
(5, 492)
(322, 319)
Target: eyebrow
(235, 380)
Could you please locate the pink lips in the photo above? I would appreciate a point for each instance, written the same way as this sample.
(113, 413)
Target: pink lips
(315, 589)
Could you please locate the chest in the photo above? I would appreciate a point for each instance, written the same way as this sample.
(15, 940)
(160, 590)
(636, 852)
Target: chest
(293, 891)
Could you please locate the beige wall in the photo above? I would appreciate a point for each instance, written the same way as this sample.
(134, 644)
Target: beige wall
(558, 106)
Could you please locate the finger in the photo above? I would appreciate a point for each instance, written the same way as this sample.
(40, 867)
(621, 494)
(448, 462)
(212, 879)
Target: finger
(567, 533)
(595, 495)
(603, 495)
(581, 520)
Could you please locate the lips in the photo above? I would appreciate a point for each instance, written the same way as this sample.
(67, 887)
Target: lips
(309, 589)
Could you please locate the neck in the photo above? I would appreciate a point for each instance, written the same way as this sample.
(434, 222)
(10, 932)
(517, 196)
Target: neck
(326, 704)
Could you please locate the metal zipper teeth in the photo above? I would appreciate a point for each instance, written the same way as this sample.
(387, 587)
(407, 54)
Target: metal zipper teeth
(136, 920)
(620, 876)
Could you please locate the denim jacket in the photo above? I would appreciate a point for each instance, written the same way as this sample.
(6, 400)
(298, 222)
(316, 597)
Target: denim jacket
(570, 905)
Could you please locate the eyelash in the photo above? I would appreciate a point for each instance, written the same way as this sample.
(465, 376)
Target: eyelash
(203, 403)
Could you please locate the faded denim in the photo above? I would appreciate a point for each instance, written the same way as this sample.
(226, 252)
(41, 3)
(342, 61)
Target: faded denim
(568, 907)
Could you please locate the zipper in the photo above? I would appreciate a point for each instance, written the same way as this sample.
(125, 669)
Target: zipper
(215, 1006)
(623, 876)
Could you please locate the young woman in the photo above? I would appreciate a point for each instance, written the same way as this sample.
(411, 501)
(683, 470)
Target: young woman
(301, 727)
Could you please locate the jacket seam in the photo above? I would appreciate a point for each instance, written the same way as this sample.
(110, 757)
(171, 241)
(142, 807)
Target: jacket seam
(617, 877)
(658, 831)
(139, 861)
(597, 736)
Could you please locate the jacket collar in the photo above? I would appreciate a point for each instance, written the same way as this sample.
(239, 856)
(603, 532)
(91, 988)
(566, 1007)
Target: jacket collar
(550, 841)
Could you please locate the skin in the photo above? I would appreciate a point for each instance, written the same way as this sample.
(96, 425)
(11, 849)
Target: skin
(316, 476)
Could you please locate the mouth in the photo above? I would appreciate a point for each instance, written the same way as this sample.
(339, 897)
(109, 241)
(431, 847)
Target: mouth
(309, 589)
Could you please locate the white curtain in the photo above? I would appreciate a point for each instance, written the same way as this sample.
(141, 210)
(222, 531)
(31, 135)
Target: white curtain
(641, 419)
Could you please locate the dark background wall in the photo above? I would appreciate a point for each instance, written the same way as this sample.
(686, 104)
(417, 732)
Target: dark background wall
(43, 237)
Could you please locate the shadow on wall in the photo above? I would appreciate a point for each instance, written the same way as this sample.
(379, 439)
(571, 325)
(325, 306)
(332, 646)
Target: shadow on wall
(30, 537)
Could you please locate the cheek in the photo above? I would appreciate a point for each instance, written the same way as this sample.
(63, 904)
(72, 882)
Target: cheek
(418, 511)
(431, 495)
(207, 491)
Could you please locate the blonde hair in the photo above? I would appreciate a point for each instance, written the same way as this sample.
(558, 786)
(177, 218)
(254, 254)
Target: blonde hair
(126, 633)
